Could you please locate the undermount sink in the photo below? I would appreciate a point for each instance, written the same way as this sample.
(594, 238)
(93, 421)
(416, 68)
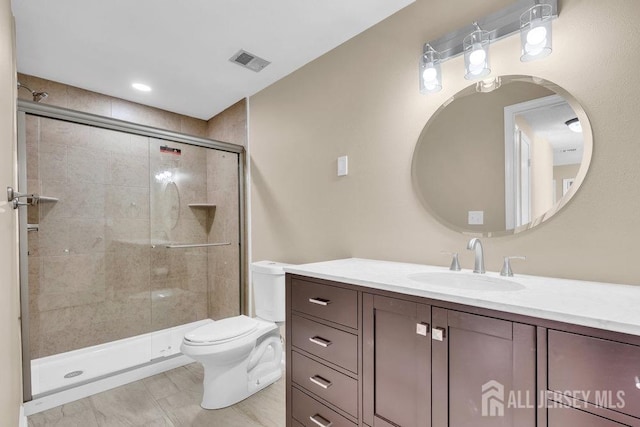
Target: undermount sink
(472, 282)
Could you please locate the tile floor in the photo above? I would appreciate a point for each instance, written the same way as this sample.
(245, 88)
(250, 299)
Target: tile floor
(170, 399)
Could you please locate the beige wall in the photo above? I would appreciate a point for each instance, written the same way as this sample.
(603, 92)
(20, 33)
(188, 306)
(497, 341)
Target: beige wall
(362, 99)
(10, 380)
(563, 172)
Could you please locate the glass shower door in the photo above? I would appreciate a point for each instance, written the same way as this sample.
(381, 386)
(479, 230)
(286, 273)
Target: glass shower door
(195, 261)
(133, 239)
(89, 260)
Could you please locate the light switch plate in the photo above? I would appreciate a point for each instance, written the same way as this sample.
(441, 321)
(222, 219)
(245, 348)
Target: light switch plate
(343, 166)
(476, 217)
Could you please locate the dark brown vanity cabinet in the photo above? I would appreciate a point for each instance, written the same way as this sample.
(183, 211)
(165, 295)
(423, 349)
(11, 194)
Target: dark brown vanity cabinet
(480, 367)
(396, 362)
(323, 354)
(361, 357)
(594, 380)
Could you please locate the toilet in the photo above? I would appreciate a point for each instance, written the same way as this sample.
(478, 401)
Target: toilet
(242, 355)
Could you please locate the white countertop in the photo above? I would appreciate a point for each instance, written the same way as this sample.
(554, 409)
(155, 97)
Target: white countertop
(599, 305)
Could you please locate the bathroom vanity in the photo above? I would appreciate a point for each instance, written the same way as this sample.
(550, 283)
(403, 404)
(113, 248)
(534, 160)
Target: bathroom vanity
(381, 344)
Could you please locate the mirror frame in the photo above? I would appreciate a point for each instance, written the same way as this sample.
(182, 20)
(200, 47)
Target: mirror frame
(565, 199)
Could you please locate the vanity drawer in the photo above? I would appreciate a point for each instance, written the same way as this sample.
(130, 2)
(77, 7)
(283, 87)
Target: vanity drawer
(326, 342)
(312, 413)
(332, 386)
(568, 417)
(327, 302)
(600, 370)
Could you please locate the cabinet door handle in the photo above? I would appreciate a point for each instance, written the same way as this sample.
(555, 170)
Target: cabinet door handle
(320, 421)
(438, 334)
(422, 328)
(320, 301)
(320, 341)
(638, 382)
(319, 381)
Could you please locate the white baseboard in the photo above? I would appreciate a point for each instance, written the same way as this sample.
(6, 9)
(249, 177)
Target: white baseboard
(65, 396)
(22, 417)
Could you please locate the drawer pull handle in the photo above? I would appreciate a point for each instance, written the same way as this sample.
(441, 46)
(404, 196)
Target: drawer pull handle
(320, 421)
(638, 382)
(318, 380)
(320, 301)
(320, 341)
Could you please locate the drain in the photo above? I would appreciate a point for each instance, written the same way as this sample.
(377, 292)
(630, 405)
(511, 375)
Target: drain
(74, 374)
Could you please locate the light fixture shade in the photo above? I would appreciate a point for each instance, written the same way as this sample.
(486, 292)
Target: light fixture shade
(535, 32)
(429, 73)
(476, 54)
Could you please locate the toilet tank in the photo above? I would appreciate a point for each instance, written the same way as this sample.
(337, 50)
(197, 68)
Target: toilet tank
(268, 290)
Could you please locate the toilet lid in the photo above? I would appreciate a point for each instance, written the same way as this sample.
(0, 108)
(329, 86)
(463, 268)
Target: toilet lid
(223, 330)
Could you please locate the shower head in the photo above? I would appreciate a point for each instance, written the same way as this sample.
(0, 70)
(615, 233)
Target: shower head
(37, 96)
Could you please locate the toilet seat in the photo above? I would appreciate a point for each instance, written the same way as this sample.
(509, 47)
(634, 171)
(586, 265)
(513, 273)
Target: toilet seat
(222, 331)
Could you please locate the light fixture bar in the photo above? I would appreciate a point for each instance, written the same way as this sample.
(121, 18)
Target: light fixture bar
(499, 24)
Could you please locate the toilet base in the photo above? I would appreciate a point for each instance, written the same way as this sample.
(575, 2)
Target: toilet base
(232, 384)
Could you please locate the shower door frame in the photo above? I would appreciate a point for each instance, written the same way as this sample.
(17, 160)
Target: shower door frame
(25, 107)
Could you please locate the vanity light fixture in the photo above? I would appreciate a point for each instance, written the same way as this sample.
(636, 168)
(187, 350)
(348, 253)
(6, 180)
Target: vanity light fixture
(532, 18)
(574, 125)
(430, 73)
(476, 54)
(535, 32)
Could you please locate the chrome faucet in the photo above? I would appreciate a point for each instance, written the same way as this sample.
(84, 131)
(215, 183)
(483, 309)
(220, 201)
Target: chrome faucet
(475, 244)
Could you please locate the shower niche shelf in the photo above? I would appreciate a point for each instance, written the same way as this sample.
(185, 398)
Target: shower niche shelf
(202, 205)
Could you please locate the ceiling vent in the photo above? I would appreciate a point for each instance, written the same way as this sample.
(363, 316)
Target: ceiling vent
(249, 60)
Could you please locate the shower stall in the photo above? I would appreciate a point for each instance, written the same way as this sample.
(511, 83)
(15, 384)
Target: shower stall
(129, 237)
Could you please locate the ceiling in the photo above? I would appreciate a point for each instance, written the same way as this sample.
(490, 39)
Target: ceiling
(182, 48)
(549, 123)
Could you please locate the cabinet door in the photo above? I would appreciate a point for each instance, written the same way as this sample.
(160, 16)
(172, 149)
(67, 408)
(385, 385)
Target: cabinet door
(483, 371)
(396, 362)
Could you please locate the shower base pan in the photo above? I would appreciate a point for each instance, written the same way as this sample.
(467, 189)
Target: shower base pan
(66, 377)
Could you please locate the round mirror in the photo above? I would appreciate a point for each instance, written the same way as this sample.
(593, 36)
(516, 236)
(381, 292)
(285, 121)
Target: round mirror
(502, 156)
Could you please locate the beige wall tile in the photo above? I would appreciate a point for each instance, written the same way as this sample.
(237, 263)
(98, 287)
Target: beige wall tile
(127, 233)
(141, 114)
(192, 126)
(230, 125)
(87, 165)
(127, 202)
(86, 236)
(128, 170)
(53, 162)
(57, 91)
(88, 102)
(81, 200)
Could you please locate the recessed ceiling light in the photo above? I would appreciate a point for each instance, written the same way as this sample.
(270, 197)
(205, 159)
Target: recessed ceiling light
(574, 125)
(141, 87)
